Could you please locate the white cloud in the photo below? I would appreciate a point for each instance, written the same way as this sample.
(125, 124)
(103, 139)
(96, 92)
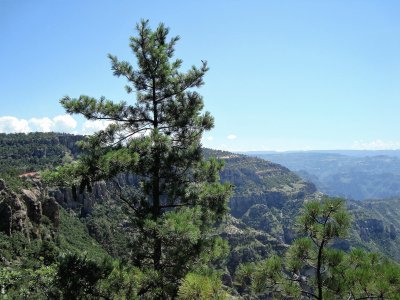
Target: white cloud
(61, 123)
(375, 145)
(89, 127)
(42, 124)
(13, 125)
(64, 123)
(231, 137)
(210, 138)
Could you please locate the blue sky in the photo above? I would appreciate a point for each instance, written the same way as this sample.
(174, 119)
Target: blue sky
(284, 75)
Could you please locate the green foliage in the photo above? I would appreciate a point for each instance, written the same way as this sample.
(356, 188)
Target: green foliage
(73, 276)
(36, 283)
(243, 277)
(370, 275)
(78, 276)
(267, 274)
(11, 247)
(29, 268)
(324, 220)
(12, 179)
(74, 237)
(198, 286)
(122, 283)
(48, 252)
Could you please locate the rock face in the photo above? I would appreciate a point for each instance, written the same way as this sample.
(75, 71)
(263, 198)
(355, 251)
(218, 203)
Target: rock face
(13, 212)
(83, 203)
(23, 211)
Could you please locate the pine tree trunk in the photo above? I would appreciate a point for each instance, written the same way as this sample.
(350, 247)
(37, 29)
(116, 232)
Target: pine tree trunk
(156, 188)
(156, 214)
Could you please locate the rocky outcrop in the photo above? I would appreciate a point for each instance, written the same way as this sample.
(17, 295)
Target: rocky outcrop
(266, 219)
(240, 203)
(81, 202)
(13, 212)
(23, 211)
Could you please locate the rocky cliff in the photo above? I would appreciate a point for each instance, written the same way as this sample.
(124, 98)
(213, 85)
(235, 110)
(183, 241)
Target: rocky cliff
(24, 211)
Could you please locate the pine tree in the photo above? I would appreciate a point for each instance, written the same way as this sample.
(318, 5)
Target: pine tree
(309, 262)
(178, 197)
(322, 223)
(305, 271)
(313, 269)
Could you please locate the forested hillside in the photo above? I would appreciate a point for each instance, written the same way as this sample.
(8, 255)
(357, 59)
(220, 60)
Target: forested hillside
(267, 196)
(267, 200)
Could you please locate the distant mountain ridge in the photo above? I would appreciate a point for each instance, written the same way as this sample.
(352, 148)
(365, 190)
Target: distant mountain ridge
(349, 152)
(351, 174)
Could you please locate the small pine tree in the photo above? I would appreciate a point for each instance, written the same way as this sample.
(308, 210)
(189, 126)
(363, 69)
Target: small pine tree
(178, 197)
(322, 223)
(312, 269)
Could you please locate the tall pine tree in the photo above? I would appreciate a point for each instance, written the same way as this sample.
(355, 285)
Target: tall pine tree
(178, 197)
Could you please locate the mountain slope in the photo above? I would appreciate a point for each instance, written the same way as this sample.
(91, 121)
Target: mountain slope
(376, 225)
(267, 200)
